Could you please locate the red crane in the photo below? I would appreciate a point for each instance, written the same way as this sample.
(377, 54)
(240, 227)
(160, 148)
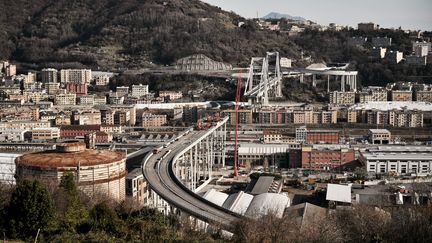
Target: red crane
(237, 103)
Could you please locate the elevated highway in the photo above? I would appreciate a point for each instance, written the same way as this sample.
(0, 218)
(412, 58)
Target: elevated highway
(175, 171)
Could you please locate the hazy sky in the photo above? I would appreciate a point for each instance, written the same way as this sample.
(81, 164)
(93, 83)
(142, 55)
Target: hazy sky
(410, 14)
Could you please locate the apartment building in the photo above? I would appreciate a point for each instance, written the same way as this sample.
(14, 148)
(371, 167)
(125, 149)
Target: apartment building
(49, 75)
(43, 134)
(153, 120)
(401, 95)
(65, 99)
(342, 98)
(80, 76)
(373, 96)
(171, 95)
(423, 95)
(139, 90)
(245, 116)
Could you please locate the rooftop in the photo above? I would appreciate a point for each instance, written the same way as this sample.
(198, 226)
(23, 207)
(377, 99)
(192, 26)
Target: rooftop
(69, 156)
(393, 105)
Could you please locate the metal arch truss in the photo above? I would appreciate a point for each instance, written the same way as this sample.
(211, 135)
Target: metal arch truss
(264, 79)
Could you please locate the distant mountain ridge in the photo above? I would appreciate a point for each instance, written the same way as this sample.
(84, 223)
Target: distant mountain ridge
(276, 15)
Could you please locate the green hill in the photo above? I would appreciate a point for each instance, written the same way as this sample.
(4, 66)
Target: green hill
(113, 34)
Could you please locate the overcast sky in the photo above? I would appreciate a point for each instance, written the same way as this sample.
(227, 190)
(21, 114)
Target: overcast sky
(410, 14)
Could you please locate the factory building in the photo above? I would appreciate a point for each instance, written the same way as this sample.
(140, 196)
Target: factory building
(97, 172)
(400, 160)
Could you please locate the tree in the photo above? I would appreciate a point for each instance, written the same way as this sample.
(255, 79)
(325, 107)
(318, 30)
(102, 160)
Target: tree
(30, 209)
(72, 212)
(104, 218)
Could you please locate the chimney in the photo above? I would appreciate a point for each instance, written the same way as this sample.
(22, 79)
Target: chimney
(90, 140)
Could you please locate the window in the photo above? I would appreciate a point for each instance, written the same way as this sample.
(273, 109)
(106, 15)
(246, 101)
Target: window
(382, 168)
(372, 167)
(424, 168)
(403, 169)
(392, 167)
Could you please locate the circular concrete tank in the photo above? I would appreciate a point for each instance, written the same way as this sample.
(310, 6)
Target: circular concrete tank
(98, 172)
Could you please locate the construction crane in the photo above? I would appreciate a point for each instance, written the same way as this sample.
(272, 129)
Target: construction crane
(236, 105)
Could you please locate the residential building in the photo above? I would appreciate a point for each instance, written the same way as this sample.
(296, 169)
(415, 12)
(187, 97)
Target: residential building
(86, 100)
(367, 26)
(190, 114)
(405, 118)
(115, 98)
(23, 125)
(42, 134)
(394, 56)
(49, 75)
(153, 120)
(402, 160)
(274, 136)
(421, 44)
(65, 99)
(373, 96)
(139, 90)
(10, 70)
(423, 95)
(107, 116)
(122, 117)
(137, 188)
(171, 95)
(415, 60)
(343, 98)
(13, 135)
(401, 95)
(100, 100)
(77, 88)
(112, 129)
(52, 88)
(80, 76)
(377, 53)
(245, 116)
(379, 136)
(381, 41)
(421, 50)
(122, 90)
(102, 80)
(30, 78)
(86, 118)
(357, 41)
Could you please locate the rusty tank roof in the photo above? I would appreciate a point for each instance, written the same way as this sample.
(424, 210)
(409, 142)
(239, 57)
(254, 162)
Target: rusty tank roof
(69, 155)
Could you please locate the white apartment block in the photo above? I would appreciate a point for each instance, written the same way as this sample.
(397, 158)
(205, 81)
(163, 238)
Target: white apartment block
(65, 99)
(139, 90)
(75, 76)
(87, 100)
(102, 80)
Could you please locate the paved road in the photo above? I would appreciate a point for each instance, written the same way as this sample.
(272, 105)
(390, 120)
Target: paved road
(159, 174)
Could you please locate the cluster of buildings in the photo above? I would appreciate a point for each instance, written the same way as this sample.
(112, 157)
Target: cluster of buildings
(421, 50)
(54, 105)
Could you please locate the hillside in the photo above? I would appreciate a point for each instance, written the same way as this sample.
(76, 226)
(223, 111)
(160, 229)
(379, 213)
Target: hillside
(113, 34)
